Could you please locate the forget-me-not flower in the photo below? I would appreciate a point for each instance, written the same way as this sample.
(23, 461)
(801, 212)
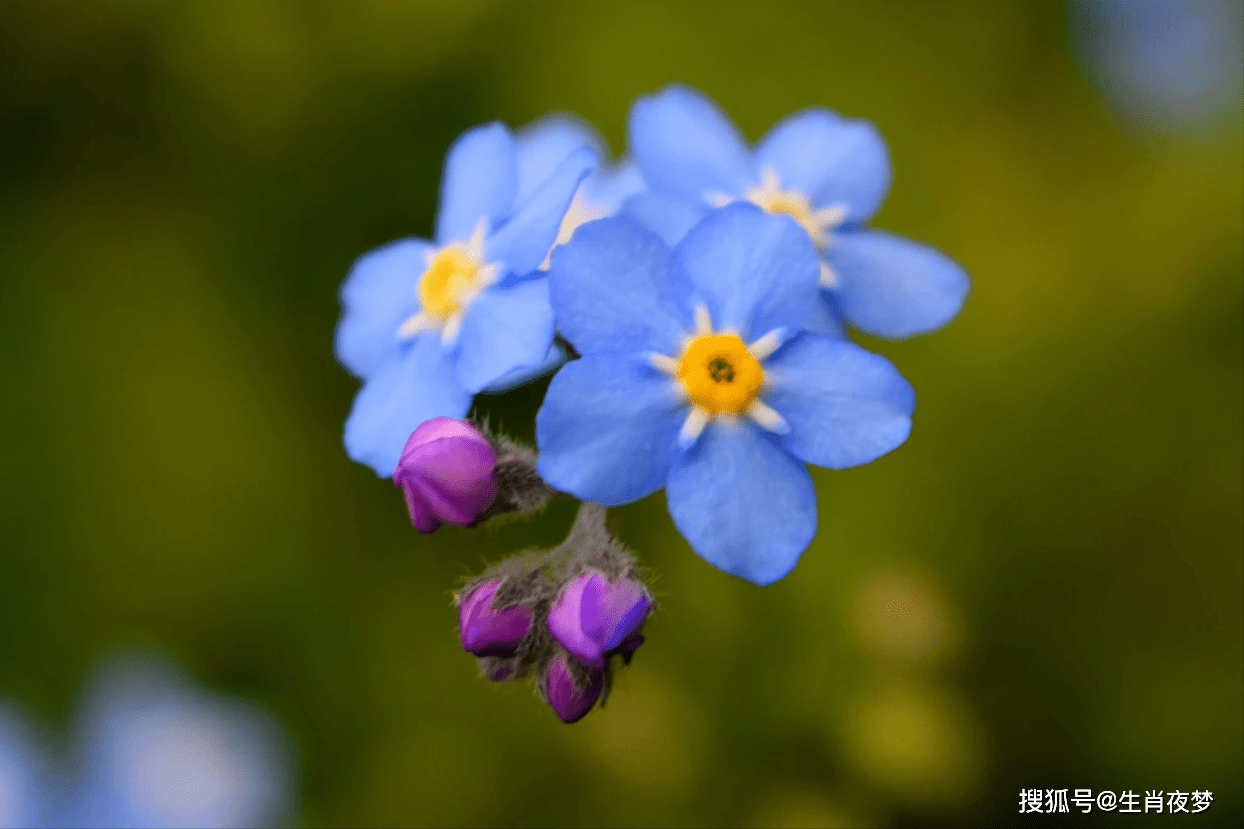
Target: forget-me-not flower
(426, 325)
(1167, 64)
(154, 750)
(23, 781)
(828, 173)
(697, 375)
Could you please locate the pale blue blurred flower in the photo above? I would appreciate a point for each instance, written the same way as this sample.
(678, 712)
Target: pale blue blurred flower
(155, 749)
(151, 748)
(23, 781)
(1163, 64)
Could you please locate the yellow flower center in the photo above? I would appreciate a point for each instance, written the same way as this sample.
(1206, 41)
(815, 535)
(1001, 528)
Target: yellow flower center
(448, 282)
(719, 373)
(795, 205)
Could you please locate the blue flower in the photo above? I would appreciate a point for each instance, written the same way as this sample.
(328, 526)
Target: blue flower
(696, 376)
(828, 173)
(157, 751)
(1163, 64)
(23, 780)
(151, 750)
(426, 325)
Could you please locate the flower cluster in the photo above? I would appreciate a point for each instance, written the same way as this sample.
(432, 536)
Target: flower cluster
(695, 300)
(559, 615)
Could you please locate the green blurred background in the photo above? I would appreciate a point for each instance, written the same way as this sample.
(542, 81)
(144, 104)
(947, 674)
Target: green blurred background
(1042, 588)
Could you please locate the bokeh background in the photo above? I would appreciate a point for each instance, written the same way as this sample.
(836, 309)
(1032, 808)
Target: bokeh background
(1042, 588)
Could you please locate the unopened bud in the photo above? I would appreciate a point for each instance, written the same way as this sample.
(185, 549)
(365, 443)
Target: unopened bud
(448, 473)
(491, 632)
(559, 689)
(594, 616)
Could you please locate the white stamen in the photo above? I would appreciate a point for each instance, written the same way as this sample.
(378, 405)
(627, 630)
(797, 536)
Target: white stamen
(829, 279)
(419, 322)
(703, 322)
(767, 418)
(484, 277)
(475, 245)
(719, 199)
(696, 420)
(766, 345)
(665, 363)
(831, 216)
(452, 326)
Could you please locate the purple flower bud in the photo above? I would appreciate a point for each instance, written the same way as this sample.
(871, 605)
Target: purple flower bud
(447, 472)
(593, 616)
(488, 632)
(560, 693)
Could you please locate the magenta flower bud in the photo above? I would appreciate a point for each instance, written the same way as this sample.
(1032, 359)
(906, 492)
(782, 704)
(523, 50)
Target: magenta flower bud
(488, 632)
(593, 616)
(448, 474)
(559, 690)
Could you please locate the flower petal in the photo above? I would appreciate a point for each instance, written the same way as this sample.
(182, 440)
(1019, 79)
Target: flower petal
(612, 290)
(416, 384)
(831, 159)
(607, 429)
(479, 182)
(685, 145)
(756, 272)
(715, 493)
(668, 216)
(609, 187)
(893, 287)
(845, 406)
(504, 329)
(523, 375)
(826, 317)
(377, 296)
(565, 619)
(546, 143)
(523, 242)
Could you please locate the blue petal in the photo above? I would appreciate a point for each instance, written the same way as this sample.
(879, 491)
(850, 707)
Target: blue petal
(845, 406)
(670, 217)
(685, 145)
(756, 272)
(612, 290)
(745, 505)
(546, 143)
(608, 187)
(416, 384)
(831, 159)
(607, 429)
(479, 182)
(892, 287)
(826, 318)
(504, 329)
(523, 242)
(376, 298)
(525, 374)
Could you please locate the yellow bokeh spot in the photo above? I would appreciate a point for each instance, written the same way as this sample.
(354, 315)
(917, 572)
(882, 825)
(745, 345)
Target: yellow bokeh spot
(719, 373)
(449, 280)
